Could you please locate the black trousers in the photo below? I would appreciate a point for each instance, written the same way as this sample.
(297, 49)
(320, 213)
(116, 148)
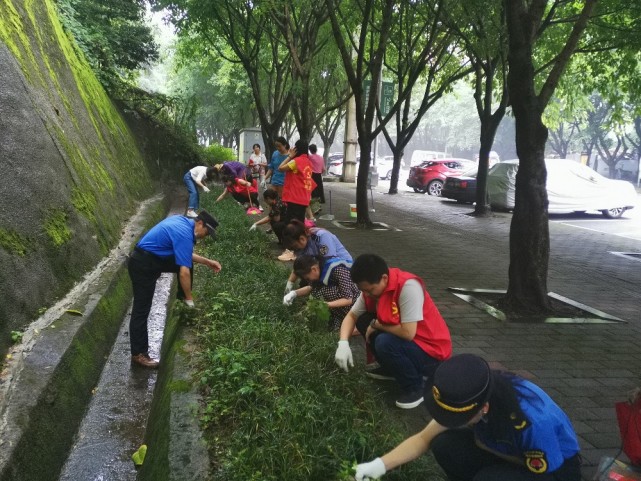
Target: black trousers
(462, 460)
(319, 191)
(294, 211)
(243, 199)
(144, 270)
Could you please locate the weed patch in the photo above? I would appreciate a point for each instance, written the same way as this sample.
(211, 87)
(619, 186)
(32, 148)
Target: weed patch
(276, 407)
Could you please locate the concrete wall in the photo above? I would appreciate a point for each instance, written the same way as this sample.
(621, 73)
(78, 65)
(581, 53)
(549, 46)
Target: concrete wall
(70, 168)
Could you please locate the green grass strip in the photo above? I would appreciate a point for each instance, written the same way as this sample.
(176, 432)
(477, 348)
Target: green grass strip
(276, 407)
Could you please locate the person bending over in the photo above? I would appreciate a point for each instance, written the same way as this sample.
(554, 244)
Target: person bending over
(329, 280)
(488, 426)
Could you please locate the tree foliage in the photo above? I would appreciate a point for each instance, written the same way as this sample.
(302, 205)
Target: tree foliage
(112, 34)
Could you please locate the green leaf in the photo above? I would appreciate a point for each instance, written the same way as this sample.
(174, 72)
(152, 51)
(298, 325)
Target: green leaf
(139, 456)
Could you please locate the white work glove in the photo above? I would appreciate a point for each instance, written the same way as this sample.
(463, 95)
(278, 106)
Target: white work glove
(372, 470)
(205, 188)
(263, 184)
(288, 300)
(343, 357)
(253, 227)
(289, 287)
(189, 302)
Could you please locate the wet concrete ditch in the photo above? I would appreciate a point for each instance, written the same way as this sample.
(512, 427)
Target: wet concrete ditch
(71, 405)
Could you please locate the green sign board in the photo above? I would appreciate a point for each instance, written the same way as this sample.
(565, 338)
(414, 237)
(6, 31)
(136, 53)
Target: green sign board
(387, 95)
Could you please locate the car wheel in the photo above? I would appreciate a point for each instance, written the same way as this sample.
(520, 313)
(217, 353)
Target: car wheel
(613, 213)
(389, 175)
(435, 187)
(418, 191)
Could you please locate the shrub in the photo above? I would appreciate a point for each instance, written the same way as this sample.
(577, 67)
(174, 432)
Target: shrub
(216, 154)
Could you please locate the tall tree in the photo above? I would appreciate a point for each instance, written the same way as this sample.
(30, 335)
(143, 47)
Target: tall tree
(529, 231)
(361, 30)
(420, 46)
(113, 35)
(252, 36)
(481, 27)
(300, 29)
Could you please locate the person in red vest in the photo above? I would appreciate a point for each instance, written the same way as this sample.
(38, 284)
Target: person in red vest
(401, 325)
(241, 190)
(299, 184)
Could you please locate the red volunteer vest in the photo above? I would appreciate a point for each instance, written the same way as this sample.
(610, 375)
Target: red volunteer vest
(432, 334)
(299, 185)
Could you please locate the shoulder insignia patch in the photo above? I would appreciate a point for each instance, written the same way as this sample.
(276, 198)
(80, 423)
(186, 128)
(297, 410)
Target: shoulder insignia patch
(323, 250)
(536, 462)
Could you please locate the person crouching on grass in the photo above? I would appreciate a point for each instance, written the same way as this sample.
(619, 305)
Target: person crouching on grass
(241, 190)
(329, 280)
(401, 325)
(488, 426)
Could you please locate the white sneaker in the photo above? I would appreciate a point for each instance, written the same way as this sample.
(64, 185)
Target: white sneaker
(191, 213)
(287, 256)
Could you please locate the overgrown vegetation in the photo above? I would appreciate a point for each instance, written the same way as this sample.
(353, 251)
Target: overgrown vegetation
(275, 405)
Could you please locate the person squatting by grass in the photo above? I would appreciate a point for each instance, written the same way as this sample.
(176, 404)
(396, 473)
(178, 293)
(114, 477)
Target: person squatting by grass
(167, 247)
(314, 241)
(401, 325)
(488, 426)
(194, 178)
(329, 280)
(274, 216)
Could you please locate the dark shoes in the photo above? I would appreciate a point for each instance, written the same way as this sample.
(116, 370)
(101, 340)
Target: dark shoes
(410, 400)
(379, 373)
(144, 360)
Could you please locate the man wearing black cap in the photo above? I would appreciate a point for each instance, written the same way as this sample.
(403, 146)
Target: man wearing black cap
(488, 426)
(167, 247)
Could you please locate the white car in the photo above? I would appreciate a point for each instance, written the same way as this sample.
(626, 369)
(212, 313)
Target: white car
(571, 187)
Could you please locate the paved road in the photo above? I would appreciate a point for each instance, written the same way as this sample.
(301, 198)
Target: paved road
(586, 368)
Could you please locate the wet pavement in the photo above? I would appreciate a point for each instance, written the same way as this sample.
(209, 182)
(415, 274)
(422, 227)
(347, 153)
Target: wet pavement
(585, 368)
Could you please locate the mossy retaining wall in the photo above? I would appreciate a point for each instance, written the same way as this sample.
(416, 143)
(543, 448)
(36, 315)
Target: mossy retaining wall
(71, 169)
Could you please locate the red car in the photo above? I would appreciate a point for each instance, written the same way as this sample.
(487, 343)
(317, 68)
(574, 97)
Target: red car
(430, 175)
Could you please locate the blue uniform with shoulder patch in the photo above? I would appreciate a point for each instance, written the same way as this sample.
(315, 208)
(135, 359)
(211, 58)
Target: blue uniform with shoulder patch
(174, 236)
(544, 442)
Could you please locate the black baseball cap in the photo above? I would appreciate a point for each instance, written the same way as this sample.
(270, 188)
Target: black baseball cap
(209, 221)
(462, 385)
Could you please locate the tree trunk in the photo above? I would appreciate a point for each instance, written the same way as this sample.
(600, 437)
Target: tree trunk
(529, 230)
(488, 132)
(361, 184)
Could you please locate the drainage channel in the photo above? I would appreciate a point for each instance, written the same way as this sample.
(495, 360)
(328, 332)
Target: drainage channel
(114, 426)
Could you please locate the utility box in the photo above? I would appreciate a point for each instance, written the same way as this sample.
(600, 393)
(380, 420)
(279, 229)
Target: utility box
(249, 137)
(372, 177)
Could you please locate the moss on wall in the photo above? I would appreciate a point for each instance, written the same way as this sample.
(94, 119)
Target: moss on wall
(13, 242)
(74, 162)
(56, 228)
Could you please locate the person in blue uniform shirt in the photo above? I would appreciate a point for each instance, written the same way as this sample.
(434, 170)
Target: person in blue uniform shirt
(167, 247)
(488, 426)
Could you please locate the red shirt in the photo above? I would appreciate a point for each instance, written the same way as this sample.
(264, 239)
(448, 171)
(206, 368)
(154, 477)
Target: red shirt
(236, 188)
(298, 181)
(432, 334)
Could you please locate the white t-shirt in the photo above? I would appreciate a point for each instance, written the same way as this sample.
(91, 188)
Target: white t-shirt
(198, 173)
(257, 163)
(410, 302)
